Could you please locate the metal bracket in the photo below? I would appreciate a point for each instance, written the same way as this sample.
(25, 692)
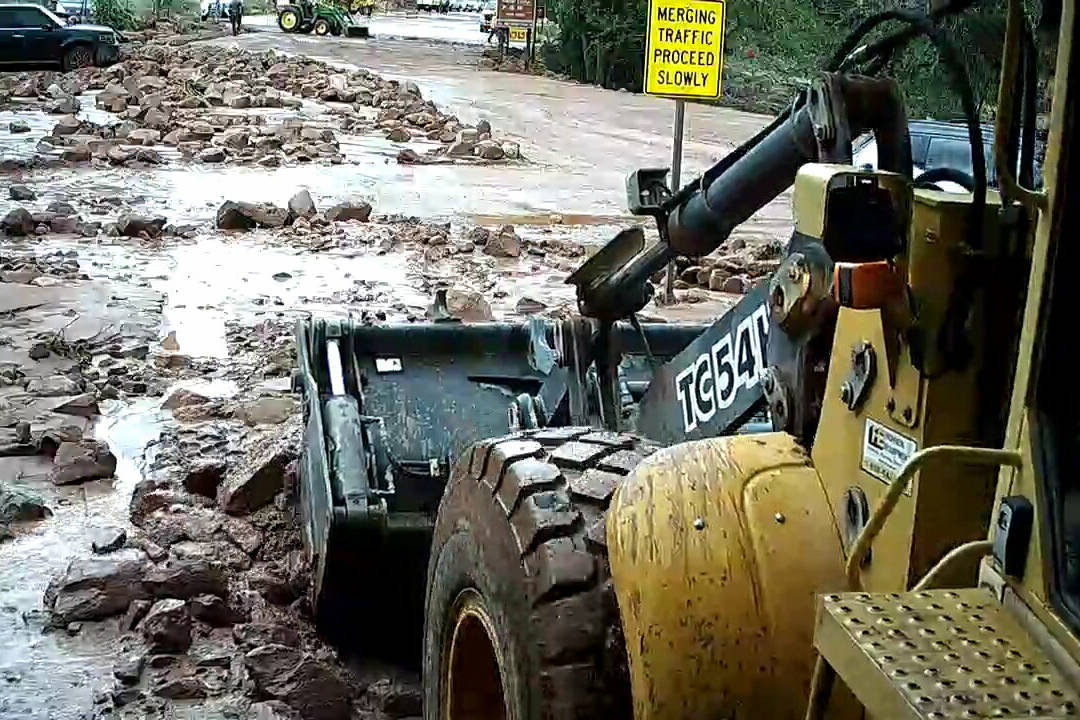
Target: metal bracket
(860, 377)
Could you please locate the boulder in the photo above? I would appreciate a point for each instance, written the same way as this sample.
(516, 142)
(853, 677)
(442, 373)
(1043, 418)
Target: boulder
(61, 207)
(118, 155)
(257, 634)
(167, 627)
(395, 699)
(129, 669)
(21, 192)
(185, 578)
(527, 306)
(19, 505)
(67, 125)
(107, 539)
(144, 136)
(399, 135)
(18, 126)
(52, 386)
(182, 397)
(272, 710)
(64, 224)
(18, 222)
(238, 100)
(243, 534)
(235, 138)
(256, 482)
(301, 205)
(483, 128)
(214, 611)
(503, 243)
(267, 410)
(77, 153)
(84, 405)
(468, 305)
(67, 105)
(245, 216)
(205, 477)
(211, 155)
(98, 586)
(276, 589)
(156, 118)
(218, 552)
(349, 210)
(314, 688)
(736, 284)
(76, 462)
(488, 150)
(133, 225)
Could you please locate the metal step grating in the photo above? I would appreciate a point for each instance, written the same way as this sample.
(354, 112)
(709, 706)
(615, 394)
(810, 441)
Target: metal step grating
(939, 654)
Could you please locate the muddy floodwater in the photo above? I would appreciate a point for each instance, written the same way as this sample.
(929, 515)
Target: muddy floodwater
(189, 293)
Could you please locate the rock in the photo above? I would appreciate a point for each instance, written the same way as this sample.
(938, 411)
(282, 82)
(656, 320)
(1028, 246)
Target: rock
(312, 687)
(349, 210)
(243, 534)
(129, 669)
(268, 664)
(301, 205)
(52, 386)
(274, 588)
(488, 150)
(267, 410)
(717, 278)
(527, 306)
(483, 128)
(78, 153)
(395, 699)
(238, 101)
(172, 137)
(272, 710)
(84, 405)
(503, 243)
(39, 351)
(148, 155)
(5, 533)
(18, 222)
(737, 284)
(399, 135)
(68, 105)
(214, 552)
(118, 155)
(180, 687)
(21, 192)
(511, 150)
(235, 138)
(181, 397)
(74, 628)
(135, 613)
(213, 610)
(211, 155)
(98, 586)
(144, 136)
(167, 627)
(64, 224)
(185, 578)
(204, 478)
(67, 125)
(107, 539)
(18, 126)
(156, 118)
(249, 487)
(80, 461)
(133, 225)
(245, 216)
(41, 229)
(468, 305)
(19, 505)
(256, 634)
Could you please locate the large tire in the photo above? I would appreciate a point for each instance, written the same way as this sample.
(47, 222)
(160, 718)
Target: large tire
(289, 19)
(520, 602)
(77, 56)
(321, 27)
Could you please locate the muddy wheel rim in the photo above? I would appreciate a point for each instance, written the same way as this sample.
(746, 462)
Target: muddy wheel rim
(81, 57)
(321, 28)
(288, 20)
(473, 684)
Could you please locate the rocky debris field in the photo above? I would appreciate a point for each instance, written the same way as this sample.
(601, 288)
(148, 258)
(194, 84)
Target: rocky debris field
(194, 103)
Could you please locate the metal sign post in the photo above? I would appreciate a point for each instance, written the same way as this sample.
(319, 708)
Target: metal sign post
(676, 173)
(684, 58)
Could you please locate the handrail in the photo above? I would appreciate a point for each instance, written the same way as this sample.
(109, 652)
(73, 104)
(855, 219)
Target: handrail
(970, 455)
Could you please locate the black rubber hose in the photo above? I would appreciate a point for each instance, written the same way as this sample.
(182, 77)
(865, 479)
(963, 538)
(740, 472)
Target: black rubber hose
(936, 175)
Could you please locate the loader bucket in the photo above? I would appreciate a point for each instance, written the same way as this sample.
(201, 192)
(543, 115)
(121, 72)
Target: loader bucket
(389, 409)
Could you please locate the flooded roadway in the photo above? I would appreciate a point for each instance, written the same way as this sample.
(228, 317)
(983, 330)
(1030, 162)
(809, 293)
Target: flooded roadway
(579, 143)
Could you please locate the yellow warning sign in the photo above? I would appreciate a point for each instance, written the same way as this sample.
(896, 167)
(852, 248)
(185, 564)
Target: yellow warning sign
(685, 51)
(518, 34)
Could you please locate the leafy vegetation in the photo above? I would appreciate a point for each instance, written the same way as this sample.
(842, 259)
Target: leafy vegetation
(119, 14)
(773, 48)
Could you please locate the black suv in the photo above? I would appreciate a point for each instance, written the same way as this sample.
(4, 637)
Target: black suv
(32, 37)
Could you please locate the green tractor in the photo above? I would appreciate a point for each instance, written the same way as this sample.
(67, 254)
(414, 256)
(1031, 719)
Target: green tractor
(320, 17)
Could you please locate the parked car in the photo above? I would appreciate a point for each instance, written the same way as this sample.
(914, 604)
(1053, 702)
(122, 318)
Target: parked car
(936, 144)
(34, 38)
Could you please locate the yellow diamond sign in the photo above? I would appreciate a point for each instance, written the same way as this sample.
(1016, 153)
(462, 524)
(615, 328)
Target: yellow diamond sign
(685, 51)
